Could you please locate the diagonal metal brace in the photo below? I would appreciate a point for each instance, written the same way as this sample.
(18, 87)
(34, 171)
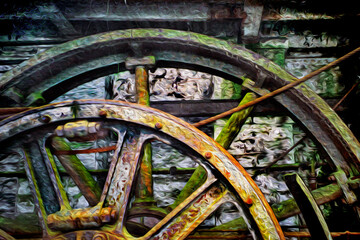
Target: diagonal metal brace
(307, 204)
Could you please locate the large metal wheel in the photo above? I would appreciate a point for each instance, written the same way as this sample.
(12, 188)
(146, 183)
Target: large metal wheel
(135, 125)
(49, 74)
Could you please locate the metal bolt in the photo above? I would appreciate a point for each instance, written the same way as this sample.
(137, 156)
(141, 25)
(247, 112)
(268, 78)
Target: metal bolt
(102, 113)
(208, 155)
(248, 201)
(158, 125)
(45, 119)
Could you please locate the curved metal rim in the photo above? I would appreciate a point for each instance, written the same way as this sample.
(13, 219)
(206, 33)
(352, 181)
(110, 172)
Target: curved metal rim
(172, 126)
(191, 49)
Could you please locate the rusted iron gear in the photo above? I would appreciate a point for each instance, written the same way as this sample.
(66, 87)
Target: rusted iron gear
(175, 129)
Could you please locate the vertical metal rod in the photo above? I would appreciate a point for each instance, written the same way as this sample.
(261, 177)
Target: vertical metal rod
(144, 191)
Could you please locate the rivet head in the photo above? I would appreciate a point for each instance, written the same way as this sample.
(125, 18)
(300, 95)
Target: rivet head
(158, 125)
(248, 201)
(102, 113)
(113, 214)
(208, 155)
(45, 119)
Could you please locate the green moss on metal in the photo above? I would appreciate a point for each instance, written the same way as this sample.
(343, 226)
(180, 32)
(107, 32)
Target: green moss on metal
(322, 195)
(238, 224)
(24, 224)
(225, 138)
(145, 187)
(35, 99)
(86, 183)
(234, 124)
(196, 180)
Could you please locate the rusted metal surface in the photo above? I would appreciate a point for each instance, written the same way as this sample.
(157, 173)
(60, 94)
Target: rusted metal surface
(235, 123)
(342, 181)
(230, 61)
(344, 97)
(197, 212)
(165, 55)
(121, 178)
(5, 236)
(146, 183)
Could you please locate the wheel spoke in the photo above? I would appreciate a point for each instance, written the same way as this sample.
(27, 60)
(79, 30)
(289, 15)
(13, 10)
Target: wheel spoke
(37, 183)
(310, 210)
(225, 138)
(114, 162)
(124, 175)
(78, 172)
(54, 176)
(193, 214)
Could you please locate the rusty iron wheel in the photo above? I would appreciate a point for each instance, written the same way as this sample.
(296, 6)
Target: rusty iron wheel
(226, 180)
(51, 73)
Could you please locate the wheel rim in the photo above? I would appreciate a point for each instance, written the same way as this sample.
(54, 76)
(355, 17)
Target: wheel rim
(51, 73)
(65, 66)
(207, 196)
